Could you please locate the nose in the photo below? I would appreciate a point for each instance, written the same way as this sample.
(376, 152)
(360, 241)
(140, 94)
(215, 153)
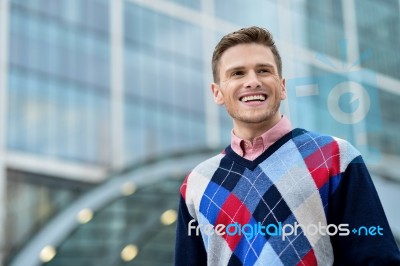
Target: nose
(252, 81)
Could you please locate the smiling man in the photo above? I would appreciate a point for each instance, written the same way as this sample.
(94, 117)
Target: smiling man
(276, 195)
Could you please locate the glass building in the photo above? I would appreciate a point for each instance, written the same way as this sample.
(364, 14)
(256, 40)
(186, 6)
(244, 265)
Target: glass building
(105, 106)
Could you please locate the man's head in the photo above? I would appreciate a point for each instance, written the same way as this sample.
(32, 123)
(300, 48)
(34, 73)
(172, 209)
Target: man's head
(244, 36)
(248, 80)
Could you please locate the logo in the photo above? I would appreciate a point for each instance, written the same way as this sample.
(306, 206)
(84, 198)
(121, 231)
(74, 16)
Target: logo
(343, 102)
(249, 231)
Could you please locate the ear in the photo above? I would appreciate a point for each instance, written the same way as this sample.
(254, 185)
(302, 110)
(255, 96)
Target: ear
(218, 96)
(283, 89)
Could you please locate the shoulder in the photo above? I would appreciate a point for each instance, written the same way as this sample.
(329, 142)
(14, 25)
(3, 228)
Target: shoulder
(313, 143)
(197, 181)
(199, 177)
(347, 153)
(208, 167)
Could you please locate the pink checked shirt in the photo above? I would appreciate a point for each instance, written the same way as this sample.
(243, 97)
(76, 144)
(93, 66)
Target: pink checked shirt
(251, 150)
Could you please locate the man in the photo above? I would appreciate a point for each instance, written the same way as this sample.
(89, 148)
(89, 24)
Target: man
(276, 195)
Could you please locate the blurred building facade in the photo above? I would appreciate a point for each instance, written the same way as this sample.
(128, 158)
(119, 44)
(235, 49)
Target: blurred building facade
(94, 91)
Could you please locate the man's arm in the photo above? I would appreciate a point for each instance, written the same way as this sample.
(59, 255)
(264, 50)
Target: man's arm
(356, 202)
(189, 249)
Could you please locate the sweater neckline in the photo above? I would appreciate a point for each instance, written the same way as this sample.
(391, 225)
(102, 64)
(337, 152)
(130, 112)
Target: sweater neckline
(251, 165)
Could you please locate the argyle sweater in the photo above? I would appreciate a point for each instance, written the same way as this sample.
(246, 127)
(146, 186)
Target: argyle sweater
(319, 183)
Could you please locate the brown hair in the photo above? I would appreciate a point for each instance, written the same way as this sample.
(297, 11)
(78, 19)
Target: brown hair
(246, 35)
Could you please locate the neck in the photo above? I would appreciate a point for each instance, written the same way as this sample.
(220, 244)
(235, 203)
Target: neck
(249, 131)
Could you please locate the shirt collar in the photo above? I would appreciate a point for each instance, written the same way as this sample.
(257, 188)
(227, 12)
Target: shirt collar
(245, 148)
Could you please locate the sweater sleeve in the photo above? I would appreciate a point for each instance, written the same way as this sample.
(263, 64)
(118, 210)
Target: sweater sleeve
(355, 202)
(189, 249)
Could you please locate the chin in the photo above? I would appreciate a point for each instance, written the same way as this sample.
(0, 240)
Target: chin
(252, 119)
(253, 116)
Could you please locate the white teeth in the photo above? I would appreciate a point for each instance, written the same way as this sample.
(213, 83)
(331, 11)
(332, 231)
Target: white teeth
(253, 97)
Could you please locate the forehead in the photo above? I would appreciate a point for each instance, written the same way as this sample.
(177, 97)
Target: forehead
(243, 55)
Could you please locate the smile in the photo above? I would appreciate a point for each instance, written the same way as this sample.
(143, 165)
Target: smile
(251, 98)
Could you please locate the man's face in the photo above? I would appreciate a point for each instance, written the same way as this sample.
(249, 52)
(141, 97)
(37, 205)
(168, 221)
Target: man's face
(250, 86)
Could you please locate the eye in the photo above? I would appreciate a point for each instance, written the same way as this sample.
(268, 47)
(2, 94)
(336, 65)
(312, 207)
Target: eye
(237, 73)
(264, 70)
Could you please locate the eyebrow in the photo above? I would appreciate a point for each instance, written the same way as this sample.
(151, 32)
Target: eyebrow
(265, 65)
(242, 67)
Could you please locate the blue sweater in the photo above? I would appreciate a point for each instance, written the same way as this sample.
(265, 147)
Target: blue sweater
(307, 200)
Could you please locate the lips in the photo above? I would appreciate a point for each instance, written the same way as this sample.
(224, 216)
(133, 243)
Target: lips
(253, 98)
